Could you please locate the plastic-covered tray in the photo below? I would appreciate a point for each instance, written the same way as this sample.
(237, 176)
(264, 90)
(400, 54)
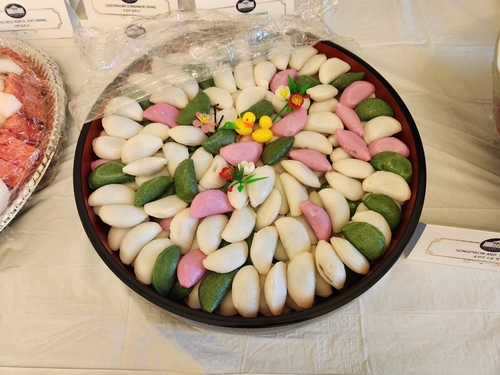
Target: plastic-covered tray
(51, 97)
(97, 231)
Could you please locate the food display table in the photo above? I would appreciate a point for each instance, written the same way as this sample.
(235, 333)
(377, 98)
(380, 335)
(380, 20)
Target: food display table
(63, 311)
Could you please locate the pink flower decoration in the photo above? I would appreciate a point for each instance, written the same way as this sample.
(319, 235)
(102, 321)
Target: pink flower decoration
(205, 121)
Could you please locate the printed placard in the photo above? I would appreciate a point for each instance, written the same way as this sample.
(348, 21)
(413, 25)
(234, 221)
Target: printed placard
(34, 19)
(496, 86)
(456, 246)
(260, 7)
(102, 9)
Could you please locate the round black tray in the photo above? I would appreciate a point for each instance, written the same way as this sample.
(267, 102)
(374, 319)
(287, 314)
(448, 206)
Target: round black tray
(97, 230)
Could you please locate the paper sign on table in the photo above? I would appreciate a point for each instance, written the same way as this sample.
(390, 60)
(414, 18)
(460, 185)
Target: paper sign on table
(261, 7)
(496, 86)
(102, 9)
(455, 246)
(35, 19)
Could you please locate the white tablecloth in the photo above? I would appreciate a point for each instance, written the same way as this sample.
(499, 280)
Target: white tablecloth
(62, 311)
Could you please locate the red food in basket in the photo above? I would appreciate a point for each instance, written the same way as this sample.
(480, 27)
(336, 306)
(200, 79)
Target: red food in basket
(19, 154)
(29, 87)
(12, 175)
(22, 142)
(8, 173)
(17, 158)
(15, 151)
(25, 129)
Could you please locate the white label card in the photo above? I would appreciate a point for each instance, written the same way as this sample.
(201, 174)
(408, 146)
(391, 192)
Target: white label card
(35, 19)
(260, 7)
(455, 246)
(100, 9)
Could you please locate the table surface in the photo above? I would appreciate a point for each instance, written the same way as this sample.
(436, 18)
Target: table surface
(63, 311)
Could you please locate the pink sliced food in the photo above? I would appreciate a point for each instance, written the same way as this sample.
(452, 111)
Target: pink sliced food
(12, 175)
(208, 203)
(164, 113)
(350, 119)
(15, 151)
(389, 144)
(29, 89)
(312, 159)
(291, 124)
(356, 92)
(190, 268)
(23, 134)
(28, 130)
(235, 153)
(281, 78)
(318, 219)
(353, 144)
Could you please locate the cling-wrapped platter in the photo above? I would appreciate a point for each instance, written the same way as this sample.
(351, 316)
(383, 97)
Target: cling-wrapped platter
(156, 239)
(32, 117)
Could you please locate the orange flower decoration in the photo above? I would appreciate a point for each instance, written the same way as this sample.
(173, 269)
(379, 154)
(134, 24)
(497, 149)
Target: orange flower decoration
(296, 98)
(295, 101)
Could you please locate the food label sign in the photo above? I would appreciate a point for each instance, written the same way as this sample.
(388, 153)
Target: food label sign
(260, 7)
(99, 9)
(456, 246)
(35, 20)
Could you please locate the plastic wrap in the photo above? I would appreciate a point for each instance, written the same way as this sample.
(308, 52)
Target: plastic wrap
(186, 45)
(33, 118)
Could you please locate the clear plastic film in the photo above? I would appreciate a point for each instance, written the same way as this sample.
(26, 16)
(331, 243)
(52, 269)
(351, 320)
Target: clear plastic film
(34, 125)
(141, 56)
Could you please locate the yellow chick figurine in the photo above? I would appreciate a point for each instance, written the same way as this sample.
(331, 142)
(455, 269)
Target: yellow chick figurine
(264, 134)
(245, 123)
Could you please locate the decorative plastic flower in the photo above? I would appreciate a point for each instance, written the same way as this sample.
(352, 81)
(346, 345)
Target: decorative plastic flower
(241, 175)
(295, 98)
(283, 92)
(248, 167)
(205, 121)
(227, 173)
(295, 101)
